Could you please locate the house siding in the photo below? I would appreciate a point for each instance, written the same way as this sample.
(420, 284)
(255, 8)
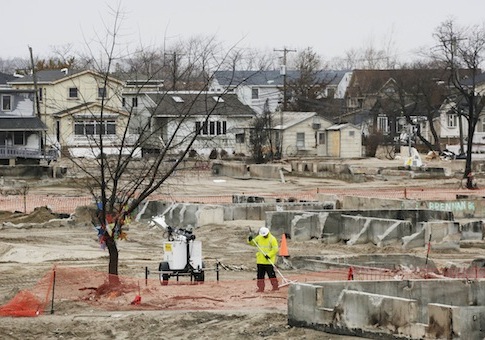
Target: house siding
(344, 142)
(55, 99)
(21, 106)
(203, 145)
(351, 145)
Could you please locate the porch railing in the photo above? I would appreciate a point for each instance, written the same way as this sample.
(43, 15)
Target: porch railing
(7, 152)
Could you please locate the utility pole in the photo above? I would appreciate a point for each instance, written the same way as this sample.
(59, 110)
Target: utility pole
(43, 138)
(174, 71)
(34, 78)
(285, 98)
(283, 72)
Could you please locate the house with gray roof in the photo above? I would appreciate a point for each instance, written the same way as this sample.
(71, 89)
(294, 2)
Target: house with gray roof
(5, 78)
(265, 88)
(220, 120)
(21, 131)
(307, 134)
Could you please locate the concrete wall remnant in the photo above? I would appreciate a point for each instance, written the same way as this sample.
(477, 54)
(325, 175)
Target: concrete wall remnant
(367, 311)
(407, 309)
(463, 207)
(184, 215)
(358, 227)
(472, 230)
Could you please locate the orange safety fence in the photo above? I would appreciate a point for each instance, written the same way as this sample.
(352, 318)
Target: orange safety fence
(68, 288)
(68, 204)
(31, 302)
(470, 273)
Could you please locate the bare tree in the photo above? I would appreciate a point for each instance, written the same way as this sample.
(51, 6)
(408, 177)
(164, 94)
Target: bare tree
(119, 180)
(261, 139)
(418, 94)
(463, 48)
(308, 82)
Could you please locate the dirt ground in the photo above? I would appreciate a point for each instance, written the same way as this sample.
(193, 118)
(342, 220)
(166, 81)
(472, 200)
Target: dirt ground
(228, 309)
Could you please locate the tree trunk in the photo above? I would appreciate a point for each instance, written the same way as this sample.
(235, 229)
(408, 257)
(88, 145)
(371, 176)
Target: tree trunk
(469, 145)
(113, 261)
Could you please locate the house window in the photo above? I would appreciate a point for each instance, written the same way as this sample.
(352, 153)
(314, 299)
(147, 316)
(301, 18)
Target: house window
(41, 95)
(452, 120)
(300, 139)
(382, 124)
(254, 93)
(73, 92)
(6, 103)
(94, 127)
(19, 138)
(321, 138)
(240, 137)
(351, 133)
(134, 102)
(355, 102)
(212, 128)
(102, 92)
(123, 101)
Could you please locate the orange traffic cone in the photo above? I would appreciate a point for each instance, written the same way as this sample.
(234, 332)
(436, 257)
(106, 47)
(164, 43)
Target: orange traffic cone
(284, 247)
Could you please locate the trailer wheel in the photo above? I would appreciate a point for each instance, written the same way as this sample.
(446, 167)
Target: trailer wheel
(200, 277)
(164, 277)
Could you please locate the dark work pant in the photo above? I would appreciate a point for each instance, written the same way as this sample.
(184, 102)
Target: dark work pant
(264, 269)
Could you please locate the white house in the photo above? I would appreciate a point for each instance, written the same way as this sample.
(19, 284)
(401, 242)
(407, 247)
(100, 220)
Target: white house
(221, 121)
(260, 88)
(343, 141)
(299, 133)
(21, 131)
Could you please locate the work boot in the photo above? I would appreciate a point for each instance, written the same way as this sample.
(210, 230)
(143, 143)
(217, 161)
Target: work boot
(274, 283)
(260, 284)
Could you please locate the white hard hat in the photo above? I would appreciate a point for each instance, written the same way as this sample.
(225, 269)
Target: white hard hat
(263, 231)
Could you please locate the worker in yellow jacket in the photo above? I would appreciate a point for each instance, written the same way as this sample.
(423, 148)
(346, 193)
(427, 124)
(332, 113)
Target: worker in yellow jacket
(267, 246)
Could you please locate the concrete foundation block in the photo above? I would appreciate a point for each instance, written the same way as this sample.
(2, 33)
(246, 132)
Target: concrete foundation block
(209, 214)
(415, 240)
(374, 312)
(472, 230)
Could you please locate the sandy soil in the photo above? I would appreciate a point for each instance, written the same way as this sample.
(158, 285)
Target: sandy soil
(228, 309)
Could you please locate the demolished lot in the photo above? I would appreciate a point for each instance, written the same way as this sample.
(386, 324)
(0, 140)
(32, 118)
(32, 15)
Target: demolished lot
(31, 250)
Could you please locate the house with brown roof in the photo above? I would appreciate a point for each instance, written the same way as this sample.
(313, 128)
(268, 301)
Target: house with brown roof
(452, 125)
(388, 101)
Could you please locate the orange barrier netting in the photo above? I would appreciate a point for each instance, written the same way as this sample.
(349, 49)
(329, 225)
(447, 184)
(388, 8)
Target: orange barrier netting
(69, 204)
(75, 287)
(31, 302)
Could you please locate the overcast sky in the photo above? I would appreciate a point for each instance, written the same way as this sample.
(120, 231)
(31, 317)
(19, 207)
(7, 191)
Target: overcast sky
(329, 27)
